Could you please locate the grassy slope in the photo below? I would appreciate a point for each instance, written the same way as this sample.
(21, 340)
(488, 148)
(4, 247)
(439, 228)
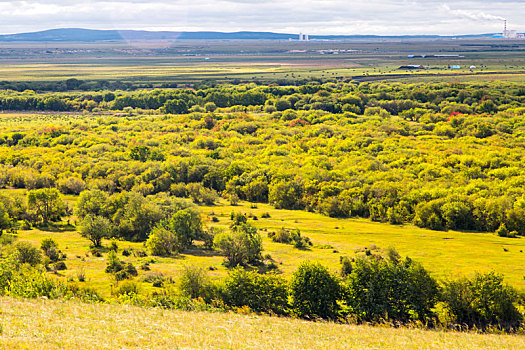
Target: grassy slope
(44, 324)
(445, 254)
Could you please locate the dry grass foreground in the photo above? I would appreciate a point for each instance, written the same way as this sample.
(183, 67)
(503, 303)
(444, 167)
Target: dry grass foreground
(45, 324)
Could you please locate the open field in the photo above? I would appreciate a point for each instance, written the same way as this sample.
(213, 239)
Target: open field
(189, 62)
(44, 324)
(446, 254)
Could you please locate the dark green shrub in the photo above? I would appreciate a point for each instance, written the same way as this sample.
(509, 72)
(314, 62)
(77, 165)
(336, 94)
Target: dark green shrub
(128, 288)
(60, 266)
(346, 266)
(483, 301)
(27, 254)
(380, 289)
(50, 249)
(314, 292)
(263, 293)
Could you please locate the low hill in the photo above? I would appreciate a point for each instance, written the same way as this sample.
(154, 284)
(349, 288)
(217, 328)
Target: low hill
(46, 324)
(91, 35)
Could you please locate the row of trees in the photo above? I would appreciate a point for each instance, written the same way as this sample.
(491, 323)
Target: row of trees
(408, 101)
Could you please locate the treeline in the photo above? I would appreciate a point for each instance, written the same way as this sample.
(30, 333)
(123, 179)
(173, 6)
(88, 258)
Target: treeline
(408, 101)
(370, 289)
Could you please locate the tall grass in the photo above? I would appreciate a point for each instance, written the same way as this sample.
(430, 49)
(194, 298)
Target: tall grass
(46, 324)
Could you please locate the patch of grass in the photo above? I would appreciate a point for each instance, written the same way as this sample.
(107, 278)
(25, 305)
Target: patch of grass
(45, 324)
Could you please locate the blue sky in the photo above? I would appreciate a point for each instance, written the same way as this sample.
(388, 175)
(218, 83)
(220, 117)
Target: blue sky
(311, 16)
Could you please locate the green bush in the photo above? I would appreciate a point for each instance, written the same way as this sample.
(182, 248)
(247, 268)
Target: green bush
(315, 292)
(391, 289)
(483, 301)
(50, 249)
(263, 293)
(128, 288)
(195, 283)
(241, 245)
(27, 254)
(163, 242)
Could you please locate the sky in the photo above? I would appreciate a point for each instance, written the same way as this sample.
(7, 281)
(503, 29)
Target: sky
(379, 17)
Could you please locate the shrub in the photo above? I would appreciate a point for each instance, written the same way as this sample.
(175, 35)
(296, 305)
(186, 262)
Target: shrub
(120, 269)
(263, 293)
(346, 266)
(482, 301)
(314, 292)
(195, 283)
(242, 245)
(380, 289)
(71, 185)
(128, 271)
(502, 230)
(27, 254)
(113, 246)
(50, 249)
(128, 288)
(290, 237)
(60, 266)
(163, 242)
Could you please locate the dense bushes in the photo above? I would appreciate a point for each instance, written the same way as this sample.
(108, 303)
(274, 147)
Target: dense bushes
(315, 292)
(482, 301)
(422, 153)
(264, 293)
(380, 289)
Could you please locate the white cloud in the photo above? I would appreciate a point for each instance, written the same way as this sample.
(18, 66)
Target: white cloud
(313, 16)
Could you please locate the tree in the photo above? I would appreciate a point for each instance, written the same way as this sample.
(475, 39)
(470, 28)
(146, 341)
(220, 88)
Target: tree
(46, 203)
(175, 107)
(195, 283)
(163, 242)
(133, 215)
(92, 203)
(5, 222)
(394, 289)
(210, 107)
(482, 301)
(95, 228)
(241, 245)
(187, 225)
(27, 254)
(286, 195)
(314, 292)
(140, 153)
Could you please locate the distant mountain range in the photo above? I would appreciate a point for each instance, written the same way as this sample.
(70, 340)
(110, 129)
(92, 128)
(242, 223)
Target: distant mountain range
(91, 35)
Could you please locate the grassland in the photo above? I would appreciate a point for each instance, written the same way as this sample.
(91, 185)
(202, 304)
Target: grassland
(446, 255)
(44, 324)
(187, 62)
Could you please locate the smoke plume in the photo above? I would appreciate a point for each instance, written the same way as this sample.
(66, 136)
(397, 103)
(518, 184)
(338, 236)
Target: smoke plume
(473, 15)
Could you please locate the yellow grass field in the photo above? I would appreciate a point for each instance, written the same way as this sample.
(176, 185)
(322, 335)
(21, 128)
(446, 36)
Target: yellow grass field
(46, 325)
